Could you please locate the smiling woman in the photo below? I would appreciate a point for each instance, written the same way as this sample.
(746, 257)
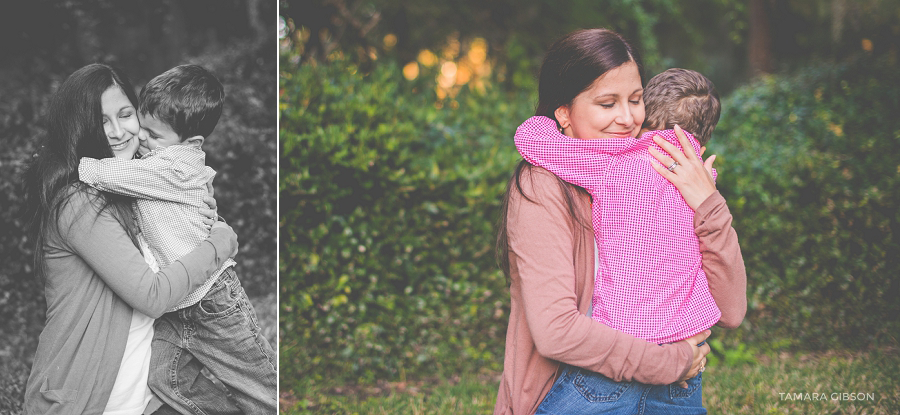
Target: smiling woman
(94, 351)
(564, 354)
(120, 121)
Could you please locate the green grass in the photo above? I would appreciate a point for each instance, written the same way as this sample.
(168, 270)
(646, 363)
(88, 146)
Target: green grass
(757, 389)
(745, 389)
(468, 395)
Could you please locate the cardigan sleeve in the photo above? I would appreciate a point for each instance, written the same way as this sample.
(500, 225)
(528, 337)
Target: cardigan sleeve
(101, 242)
(722, 259)
(541, 244)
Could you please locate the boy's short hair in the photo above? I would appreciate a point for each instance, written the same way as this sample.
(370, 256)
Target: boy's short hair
(683, 97)
(187, 97)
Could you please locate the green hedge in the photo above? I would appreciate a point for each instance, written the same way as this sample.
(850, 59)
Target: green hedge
(388, 204)
(811, 172)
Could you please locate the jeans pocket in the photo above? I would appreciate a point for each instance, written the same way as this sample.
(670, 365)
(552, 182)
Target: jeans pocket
(694, 383)
(598, 388)
(222, 298)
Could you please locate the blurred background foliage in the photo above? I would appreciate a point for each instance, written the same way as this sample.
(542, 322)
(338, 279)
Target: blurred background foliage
(396, 120)
(44, 41)
(727, 40)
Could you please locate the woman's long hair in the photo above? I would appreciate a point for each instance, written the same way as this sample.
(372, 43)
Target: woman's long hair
(571, 66)
(74, 130)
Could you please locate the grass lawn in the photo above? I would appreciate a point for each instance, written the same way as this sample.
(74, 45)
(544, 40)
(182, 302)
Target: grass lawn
(843, 383)
(14, 368)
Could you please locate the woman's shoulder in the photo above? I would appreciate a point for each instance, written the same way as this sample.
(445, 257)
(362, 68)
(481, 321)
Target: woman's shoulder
(533, 178)
(80, 195)
(75, 211)
(78, 199)
(539, 184)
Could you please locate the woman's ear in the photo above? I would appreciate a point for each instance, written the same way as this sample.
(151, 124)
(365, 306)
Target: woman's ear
(562, 116)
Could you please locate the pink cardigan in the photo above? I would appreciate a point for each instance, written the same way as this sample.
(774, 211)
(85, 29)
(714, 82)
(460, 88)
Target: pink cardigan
(552, 271)
(650, 282)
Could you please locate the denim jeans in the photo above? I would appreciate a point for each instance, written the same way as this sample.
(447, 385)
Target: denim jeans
(220, 333)
(578, 391)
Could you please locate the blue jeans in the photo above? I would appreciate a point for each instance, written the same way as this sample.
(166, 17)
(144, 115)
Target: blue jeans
(579, 391)
(220, 333)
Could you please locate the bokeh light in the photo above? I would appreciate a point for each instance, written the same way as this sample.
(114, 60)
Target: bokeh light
(390, 40)
(427, 58)
(411, 71)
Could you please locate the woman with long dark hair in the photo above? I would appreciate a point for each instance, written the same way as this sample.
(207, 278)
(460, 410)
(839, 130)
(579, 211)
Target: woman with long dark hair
(93, 353)
(558, 360)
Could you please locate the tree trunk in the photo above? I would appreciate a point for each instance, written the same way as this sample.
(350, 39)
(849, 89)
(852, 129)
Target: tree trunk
(256, 22)
(838, 12)
(760, 41)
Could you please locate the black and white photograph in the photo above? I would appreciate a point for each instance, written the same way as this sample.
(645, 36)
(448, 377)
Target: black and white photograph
(138, 189)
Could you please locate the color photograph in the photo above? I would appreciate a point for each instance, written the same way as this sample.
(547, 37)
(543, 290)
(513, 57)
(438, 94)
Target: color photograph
(589, 207)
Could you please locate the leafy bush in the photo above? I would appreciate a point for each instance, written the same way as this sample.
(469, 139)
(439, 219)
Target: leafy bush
(387, 206)
(21, 301)
(810, 170)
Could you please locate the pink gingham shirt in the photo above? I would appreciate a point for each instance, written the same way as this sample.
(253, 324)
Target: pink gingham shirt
(649, 282)
(169, 185)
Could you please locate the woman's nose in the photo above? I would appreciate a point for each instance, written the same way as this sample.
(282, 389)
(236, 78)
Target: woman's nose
(114, 130)
(625, 116)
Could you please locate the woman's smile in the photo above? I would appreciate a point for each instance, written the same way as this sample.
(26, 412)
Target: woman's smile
(122, 145)
(120, 122)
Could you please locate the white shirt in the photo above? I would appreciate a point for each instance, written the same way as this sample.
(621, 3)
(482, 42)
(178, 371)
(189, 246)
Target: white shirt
(130, 393)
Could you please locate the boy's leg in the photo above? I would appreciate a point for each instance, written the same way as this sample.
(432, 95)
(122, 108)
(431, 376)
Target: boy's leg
(175, 375)
(227, 340)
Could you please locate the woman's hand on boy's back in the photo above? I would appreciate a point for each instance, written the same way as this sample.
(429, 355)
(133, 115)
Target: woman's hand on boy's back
(691, 175)
(210, 215)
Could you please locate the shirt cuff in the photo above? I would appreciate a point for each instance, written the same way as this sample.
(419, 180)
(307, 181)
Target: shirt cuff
(88, 170)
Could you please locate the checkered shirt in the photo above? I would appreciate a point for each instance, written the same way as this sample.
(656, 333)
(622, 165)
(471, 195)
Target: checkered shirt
(649, 282)
(169, 185)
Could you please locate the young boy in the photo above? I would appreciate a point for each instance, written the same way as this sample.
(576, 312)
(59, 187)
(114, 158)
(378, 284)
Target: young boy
(215, 325)
(649, 280)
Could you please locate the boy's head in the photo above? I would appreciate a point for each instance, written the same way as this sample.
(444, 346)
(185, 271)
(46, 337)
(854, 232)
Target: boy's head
(180, 106)
(683, 97)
